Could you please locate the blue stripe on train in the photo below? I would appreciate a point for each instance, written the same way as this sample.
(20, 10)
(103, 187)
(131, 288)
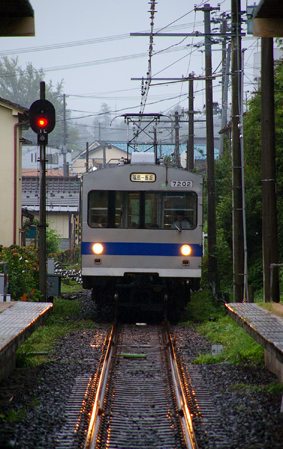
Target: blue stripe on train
(140, 249)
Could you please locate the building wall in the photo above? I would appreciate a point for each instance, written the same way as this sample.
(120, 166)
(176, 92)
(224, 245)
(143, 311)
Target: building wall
(7, 169)
(60, 222)
(57, 221)
(31, 155)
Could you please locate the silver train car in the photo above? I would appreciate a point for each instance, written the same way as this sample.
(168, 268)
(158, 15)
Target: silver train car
(141, 234)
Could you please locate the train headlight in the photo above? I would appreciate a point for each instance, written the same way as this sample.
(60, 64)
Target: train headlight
(97, 248)
(186, 250)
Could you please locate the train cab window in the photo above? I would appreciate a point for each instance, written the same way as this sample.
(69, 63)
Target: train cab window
(162, 209)
(97, 209)
(127, 210)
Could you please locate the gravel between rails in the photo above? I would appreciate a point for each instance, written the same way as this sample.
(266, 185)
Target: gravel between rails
(246, 419)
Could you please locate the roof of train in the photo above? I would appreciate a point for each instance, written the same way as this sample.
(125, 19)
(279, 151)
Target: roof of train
(121, 177)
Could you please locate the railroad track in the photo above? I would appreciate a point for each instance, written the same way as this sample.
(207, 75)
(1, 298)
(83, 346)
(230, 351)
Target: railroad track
(139, 399)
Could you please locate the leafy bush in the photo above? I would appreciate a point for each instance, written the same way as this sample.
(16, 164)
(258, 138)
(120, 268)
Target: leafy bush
(52, 245)
(23, 271)
(68, 257)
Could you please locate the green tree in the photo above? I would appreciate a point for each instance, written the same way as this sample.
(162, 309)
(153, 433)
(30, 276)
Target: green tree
(22, 86)
(253, 186)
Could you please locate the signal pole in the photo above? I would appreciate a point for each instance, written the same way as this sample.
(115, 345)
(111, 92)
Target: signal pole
(42, 213)
(42, 121)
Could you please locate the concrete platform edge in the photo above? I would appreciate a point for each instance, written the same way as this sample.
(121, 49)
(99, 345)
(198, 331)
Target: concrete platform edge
(273, 357)
(8, 353)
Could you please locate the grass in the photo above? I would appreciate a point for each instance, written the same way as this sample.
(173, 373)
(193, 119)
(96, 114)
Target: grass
(62, 320)
(70, 286)
(273, 307)
(273, 387)
(212, 321)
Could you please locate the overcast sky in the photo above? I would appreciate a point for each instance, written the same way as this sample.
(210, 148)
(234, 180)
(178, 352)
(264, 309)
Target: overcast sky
(87, 43)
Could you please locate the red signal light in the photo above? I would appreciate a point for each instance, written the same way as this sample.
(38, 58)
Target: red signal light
(42, 122)
(42, 116)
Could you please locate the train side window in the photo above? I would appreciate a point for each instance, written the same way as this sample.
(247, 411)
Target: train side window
(97, 209)
(127, 209)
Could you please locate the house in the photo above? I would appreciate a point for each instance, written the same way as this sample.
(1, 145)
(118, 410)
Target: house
(56, 159)
(62, 206)
(13, 118)
(99, 154)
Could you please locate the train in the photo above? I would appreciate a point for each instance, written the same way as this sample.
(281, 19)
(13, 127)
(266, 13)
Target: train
(141, 236)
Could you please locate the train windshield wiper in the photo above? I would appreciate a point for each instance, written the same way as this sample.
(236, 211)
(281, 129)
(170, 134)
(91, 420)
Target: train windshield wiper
(177, 227)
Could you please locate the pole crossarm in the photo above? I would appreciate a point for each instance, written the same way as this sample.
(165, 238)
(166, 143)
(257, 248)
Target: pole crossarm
(197, 78)
(195, 34)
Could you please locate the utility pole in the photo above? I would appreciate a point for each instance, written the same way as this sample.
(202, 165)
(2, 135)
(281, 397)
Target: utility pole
(237, 203)
(177, 150)
(268, 154)
(226, 54)
(211, 212)
(155, 143)
(64, 149)
(190, 145)
(86, 158)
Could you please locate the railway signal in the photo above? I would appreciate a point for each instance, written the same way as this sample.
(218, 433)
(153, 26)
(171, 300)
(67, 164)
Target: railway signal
(42, 119)
(42, 122)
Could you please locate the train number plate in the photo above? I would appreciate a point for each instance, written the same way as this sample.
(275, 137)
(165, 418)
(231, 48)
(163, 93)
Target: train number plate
(181, 184)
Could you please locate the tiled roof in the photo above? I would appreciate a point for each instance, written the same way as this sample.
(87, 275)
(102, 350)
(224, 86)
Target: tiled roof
(62, 194)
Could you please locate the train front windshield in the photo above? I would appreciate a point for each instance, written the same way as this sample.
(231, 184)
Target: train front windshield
(142, 210)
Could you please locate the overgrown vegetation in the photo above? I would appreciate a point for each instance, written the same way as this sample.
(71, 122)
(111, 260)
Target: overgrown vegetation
(213, 322)
(69, 257)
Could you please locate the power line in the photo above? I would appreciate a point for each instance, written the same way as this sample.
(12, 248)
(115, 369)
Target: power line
(71, 44)
(90, 63)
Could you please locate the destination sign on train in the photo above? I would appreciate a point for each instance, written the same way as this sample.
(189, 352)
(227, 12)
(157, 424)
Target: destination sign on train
(143, 177)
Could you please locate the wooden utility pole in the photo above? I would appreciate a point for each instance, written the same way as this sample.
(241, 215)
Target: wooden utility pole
(86, 158)
(211, 212)
(226, 52)
(268, 154)
(177, 150)
(237, 203)
(190, 145)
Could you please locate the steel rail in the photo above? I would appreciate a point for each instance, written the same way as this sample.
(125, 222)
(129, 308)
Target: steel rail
(100, 393)
(185, 414)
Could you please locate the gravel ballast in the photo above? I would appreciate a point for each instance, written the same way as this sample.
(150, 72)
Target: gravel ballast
(33, 401)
